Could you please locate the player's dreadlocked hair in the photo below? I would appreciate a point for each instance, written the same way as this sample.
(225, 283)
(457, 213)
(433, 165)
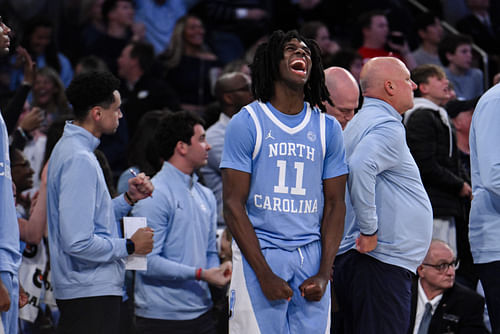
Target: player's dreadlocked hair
(265, 69)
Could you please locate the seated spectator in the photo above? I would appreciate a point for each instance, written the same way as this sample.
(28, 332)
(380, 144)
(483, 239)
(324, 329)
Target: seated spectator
(319, 32)
(190, 67)
(41, 313)
(376, 42)
(455, 52)
(33, 119)
(90, 64)
(238, 65)
(140, 90)
(233, 26)
(22, 176)
(49, 95)
(159, 18)
(38, 39)
(91, 23)
(439, 304)
(50, 98)
(32, 226)
(118, 17)
(430, 32)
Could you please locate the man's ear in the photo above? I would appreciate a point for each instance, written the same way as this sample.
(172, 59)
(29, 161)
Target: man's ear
(181, 147)
(448, 56)
(96, 113)
(228, 98)
(423, 88)
(421, 33)
(389, 87)
(419, 271)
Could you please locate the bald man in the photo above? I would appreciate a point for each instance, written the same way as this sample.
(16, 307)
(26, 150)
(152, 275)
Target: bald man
(388, 223)
(344, 93)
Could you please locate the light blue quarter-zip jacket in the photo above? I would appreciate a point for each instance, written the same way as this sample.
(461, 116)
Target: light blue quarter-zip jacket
(86, 253)
(183, 215)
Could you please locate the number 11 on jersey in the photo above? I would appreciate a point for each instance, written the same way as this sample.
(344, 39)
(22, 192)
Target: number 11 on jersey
(281, 188)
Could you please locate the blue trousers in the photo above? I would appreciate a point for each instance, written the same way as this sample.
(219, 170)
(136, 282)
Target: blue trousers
(489, 274)
(372, 296)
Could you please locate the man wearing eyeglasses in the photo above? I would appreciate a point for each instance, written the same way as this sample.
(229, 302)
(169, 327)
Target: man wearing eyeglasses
(439, 304)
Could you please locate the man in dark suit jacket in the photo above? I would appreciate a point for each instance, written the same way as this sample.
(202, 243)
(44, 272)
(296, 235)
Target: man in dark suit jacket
(454, 308)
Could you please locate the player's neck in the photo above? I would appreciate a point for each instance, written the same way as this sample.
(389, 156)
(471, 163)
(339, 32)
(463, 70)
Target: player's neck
(288, 101)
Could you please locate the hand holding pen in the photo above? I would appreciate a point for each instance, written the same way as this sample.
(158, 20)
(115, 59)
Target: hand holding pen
(139, 187)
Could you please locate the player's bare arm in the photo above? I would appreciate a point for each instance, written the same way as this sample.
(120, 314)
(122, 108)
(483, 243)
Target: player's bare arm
(236, 185)
(332, 227)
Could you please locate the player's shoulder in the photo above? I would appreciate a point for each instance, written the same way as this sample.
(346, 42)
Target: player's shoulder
(245, 113)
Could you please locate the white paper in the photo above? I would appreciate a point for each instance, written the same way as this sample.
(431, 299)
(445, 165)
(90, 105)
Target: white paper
(130, 225)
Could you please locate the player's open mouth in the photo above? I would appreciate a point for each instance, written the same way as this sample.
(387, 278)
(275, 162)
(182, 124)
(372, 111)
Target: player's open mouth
(298, 66)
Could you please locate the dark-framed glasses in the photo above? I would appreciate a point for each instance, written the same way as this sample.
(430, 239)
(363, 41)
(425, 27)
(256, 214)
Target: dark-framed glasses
(443, 267)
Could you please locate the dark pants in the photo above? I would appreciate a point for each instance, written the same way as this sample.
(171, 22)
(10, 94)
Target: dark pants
(204, 324)
(489, 274)
(94, 315)
(372, 296)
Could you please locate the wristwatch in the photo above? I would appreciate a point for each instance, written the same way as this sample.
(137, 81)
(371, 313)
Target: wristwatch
(130, 247)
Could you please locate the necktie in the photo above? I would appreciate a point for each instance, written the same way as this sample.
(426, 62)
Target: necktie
(426, 319)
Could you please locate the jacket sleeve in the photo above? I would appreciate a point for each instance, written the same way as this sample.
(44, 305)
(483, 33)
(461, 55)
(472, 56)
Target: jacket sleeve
(376, 152)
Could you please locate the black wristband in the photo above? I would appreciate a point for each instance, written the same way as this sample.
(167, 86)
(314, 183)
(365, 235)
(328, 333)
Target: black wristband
(130, 247)
(130, 198)
(369, 235)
